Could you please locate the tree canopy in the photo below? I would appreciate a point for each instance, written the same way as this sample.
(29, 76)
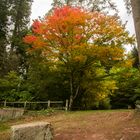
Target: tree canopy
(79, 40)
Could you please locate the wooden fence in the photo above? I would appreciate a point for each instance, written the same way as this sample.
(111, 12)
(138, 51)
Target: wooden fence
(36, 105)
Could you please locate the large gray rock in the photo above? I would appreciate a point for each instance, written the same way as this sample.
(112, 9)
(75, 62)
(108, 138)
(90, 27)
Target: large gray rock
(32, 131)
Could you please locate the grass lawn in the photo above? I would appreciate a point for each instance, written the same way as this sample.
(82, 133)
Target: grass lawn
(84, 125)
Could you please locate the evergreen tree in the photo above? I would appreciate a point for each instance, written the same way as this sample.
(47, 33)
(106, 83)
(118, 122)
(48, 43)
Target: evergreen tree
(4, 6)
(14, 21)
(20, 18)
(135, 57)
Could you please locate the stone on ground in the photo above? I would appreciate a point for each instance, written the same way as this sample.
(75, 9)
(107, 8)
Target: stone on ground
(32, 131)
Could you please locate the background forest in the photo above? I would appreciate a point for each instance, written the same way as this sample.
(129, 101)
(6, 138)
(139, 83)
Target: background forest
(71, 53)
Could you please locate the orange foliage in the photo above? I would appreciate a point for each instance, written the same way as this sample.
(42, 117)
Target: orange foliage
(74, 34)
(29, 39)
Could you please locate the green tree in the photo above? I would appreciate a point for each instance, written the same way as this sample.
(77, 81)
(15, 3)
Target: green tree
(12, 88)
(4, 13)
(14, 21)
(127, 81)
(44, 81)
(20, 17)
(134, 55)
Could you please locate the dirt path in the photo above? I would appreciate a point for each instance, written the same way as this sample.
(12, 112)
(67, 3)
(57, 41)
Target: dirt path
(91, 125)
(97, 126)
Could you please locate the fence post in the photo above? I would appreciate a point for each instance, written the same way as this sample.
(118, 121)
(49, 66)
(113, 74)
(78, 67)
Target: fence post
(49, 103)
(25, 104)
(5, 103)
(66, 107)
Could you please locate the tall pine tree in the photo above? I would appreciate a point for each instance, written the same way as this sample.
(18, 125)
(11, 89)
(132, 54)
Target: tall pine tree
(14, 23)
(4, 13)
(20, 18)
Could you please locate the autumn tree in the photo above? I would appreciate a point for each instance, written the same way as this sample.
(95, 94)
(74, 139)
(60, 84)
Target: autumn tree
(106, 5)
(78, 40)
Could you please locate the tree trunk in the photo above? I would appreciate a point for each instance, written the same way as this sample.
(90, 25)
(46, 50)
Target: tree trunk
(136, 16)
(72, 97)
(71, 92)
(71, 102)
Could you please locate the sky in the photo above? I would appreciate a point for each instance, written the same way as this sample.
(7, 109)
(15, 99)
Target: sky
(41, 7)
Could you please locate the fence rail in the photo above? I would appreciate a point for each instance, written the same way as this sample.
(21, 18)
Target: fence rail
(28, 104)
